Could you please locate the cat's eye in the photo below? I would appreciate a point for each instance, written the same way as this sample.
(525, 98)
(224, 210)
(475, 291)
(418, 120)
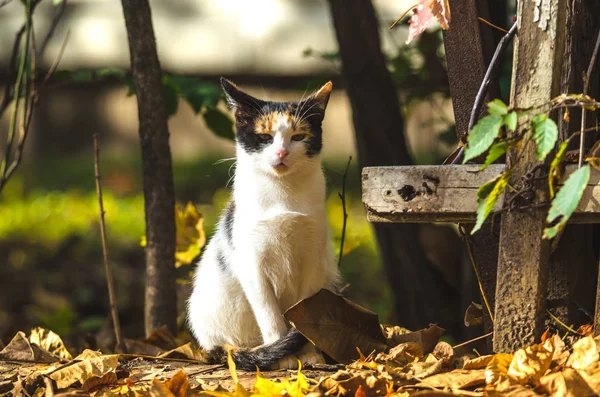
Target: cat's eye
(298, 137)
(265, 137)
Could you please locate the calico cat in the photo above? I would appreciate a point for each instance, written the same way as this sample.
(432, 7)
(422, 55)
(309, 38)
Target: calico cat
(272, 246)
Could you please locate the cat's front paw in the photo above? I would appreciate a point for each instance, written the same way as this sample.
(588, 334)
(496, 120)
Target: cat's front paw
(309, 354)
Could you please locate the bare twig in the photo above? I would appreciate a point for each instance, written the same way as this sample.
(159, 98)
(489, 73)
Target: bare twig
(7, 97)
(57, 16)
(472, 258)
(402, 16)
(473, 340)
(109, 277)
(4, 2)
(557, 320)
(586, 84)
(489, 75)
(342, 196)
(492, 25)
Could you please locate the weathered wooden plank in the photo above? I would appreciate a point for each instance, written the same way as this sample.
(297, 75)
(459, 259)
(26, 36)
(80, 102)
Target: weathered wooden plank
(446, 193)
(523, 256)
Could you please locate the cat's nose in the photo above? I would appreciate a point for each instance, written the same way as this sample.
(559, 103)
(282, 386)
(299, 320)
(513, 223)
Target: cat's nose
(282, 153)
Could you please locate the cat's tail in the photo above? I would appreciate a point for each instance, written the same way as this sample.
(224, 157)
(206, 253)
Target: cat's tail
(263, 356)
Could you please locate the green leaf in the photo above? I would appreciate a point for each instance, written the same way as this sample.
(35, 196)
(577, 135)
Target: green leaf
(545, 134)
(554, 172)
(497, 108)
(111, 72)
(219, 123)
(202, 95)
(487, 196)
(496, 151)
(482, 136)
(566, 201)
(171, 99)
(510, 121)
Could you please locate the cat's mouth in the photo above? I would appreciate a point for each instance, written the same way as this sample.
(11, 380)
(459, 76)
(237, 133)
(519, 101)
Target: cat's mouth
(280, 167)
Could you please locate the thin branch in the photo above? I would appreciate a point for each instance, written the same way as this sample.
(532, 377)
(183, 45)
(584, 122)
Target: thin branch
(557, 320)
(489, 75)
(492, 25)
(586, 84)
(57, 16)
(473, 340)
(343, 198)
(402, 16)
(472, 258)
(109, 278)
(4, 2)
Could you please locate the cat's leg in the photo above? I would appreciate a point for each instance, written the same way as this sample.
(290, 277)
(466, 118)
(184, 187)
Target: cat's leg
(252, 272)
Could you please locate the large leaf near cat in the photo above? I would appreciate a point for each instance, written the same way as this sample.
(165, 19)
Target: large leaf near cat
(337, 326)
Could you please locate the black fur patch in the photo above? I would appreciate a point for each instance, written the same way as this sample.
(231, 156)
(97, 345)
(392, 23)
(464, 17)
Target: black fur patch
(221, 261)
(228, 222)
(263, 356)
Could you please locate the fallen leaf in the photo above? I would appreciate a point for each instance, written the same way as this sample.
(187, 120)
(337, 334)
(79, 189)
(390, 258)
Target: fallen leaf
(567, 383)
(497, 368)
(51, 342)
(585, 353)
(162, 338)
(474, 315)
(337, 326)
(478, 362)
(87, 364)
(457, 379)
(188, 351)
(20, 349)
(443, 351)
(93, 383)
(190, 236)
(512, 391)
(530, 364)
(411, 350)
(427, 337)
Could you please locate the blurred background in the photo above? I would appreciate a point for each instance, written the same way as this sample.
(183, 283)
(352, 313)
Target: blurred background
(51, 271)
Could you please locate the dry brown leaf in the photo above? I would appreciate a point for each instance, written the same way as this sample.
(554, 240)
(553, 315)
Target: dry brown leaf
(427, 337)
(162, 338)
(51, 342)
(567, 383)
(443, 351)
(586, 329)
(141, 347)
(457, 379)
(512, 391)
(423, 15)
(478, 363)
(189, 351)
(561, 352)
(20, 349)
(530, 364)
(178, 384)
(93, 383)
(409, 350)
(497, 368)
(592, 377)
(474, 315)
(87, 364)
(585, 353)
(337, 326)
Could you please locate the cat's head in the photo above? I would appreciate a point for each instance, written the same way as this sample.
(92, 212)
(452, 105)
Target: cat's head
(279, 138)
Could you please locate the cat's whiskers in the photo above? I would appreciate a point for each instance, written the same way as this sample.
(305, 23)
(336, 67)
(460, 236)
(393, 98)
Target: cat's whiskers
(300, 103)
(231, 175)
(221, 161)
(302, 118)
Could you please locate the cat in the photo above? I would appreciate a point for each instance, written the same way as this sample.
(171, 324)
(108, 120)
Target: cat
(272, 245)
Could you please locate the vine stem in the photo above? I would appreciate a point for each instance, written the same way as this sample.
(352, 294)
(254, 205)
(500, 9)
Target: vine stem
(472, 258)
(586, 84)
(489, 75)
(109, 277)
(342, 196)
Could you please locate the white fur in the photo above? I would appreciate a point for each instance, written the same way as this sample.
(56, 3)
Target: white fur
(282, 251)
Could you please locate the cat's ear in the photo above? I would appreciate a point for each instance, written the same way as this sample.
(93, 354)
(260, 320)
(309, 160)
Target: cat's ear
(237, 98)
(322, 95)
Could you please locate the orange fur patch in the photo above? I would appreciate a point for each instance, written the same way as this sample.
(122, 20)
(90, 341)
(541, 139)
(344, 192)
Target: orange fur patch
(264, 124)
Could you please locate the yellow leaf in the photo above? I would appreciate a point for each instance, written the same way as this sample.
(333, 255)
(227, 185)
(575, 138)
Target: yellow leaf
(585, 353)
(87, 364)
(49, 341)
(265, 387)
(190, 236)
(497, 368)
(478, 362)
(568, 383)
(530, 364)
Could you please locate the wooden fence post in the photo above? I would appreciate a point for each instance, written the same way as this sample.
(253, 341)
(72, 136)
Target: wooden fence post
(523, 256)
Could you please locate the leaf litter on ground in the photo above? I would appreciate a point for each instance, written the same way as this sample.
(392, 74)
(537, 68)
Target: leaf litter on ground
(380, 360)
